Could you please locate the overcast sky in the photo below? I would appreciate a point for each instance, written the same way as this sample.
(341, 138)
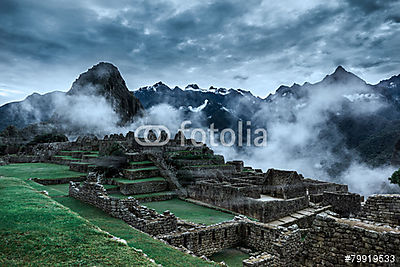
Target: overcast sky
(255, 45)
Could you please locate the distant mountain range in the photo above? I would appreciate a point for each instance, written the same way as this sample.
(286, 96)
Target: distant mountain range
(341, 115)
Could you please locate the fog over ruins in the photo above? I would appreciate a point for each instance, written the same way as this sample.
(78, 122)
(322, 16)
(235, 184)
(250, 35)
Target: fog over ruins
(200, 133)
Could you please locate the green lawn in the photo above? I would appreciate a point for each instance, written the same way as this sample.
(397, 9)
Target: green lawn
(189, 211)
(232, 257)
(37, 231)
(38, 170)
(155, 249)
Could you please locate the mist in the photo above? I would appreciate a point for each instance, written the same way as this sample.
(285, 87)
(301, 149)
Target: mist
(301, 132)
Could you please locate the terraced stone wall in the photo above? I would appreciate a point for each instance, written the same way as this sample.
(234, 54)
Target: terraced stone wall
(331, 239)
(129, 210)
(382, 208)
(243, 200)
(283, 243)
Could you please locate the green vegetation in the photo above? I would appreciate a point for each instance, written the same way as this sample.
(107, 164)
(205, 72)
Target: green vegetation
(121, 196)
(395, 178)
(80, 163)
(127, 181)
(38, 170)
(232, 257)
(41, 232)
(142, 169)
(67, 158)
(155, 249)
(140, 162)
(91, 155)
(190, 212)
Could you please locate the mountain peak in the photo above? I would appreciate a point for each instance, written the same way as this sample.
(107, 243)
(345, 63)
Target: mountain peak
(340, 75)
(192, 86)
(105, 80)
(340, 69)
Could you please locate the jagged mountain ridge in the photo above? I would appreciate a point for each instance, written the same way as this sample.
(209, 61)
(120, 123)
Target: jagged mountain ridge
(342, 99)
(372, 134)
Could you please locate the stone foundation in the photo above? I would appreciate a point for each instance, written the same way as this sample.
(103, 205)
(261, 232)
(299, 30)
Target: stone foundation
(129, 210)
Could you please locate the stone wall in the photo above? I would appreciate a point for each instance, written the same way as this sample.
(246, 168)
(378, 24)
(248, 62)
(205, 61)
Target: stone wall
(319, 187)
(382, 208)
(129, 210)
(330, 239)
(243, 200)
(282, 243)
(343, 203)
(208, 240)
(142, 187)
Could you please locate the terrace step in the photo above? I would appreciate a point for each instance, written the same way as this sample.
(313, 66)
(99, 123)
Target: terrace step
(302, 217)
(158, 196)
(141, 186)
(73, 153)
(141, 164)
(79, 166)
(64, 160)
(90, 156)
(140, 173)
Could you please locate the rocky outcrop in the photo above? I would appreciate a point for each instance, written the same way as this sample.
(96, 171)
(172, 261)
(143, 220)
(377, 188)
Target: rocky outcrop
(105, 80)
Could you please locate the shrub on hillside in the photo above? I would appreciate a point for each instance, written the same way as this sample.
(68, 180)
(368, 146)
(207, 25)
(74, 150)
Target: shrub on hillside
(49, 138)
(395, 178)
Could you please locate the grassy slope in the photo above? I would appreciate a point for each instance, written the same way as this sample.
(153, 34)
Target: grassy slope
(160, 252)
(36, 230)
(155, 249)
(190, 212)
(38, 170)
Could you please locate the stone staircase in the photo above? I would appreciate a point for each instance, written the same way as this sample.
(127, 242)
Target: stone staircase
(197, 164)
(142, 178)
(77, 160)
(302, 218)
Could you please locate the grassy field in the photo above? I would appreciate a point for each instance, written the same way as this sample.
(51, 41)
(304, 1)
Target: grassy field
(157, 250)
(37, 231)
(232, 257)
(190, 212)
(38, 170)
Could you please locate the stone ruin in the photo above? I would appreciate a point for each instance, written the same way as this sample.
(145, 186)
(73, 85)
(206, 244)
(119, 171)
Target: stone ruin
(129, 210)
(300, 221)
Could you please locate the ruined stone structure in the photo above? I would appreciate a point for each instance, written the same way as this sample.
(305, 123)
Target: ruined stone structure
(383, 209)
(331, 239)
(129, 210)
(300, 221)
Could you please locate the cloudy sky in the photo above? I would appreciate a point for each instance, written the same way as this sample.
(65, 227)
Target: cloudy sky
(255, 45)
